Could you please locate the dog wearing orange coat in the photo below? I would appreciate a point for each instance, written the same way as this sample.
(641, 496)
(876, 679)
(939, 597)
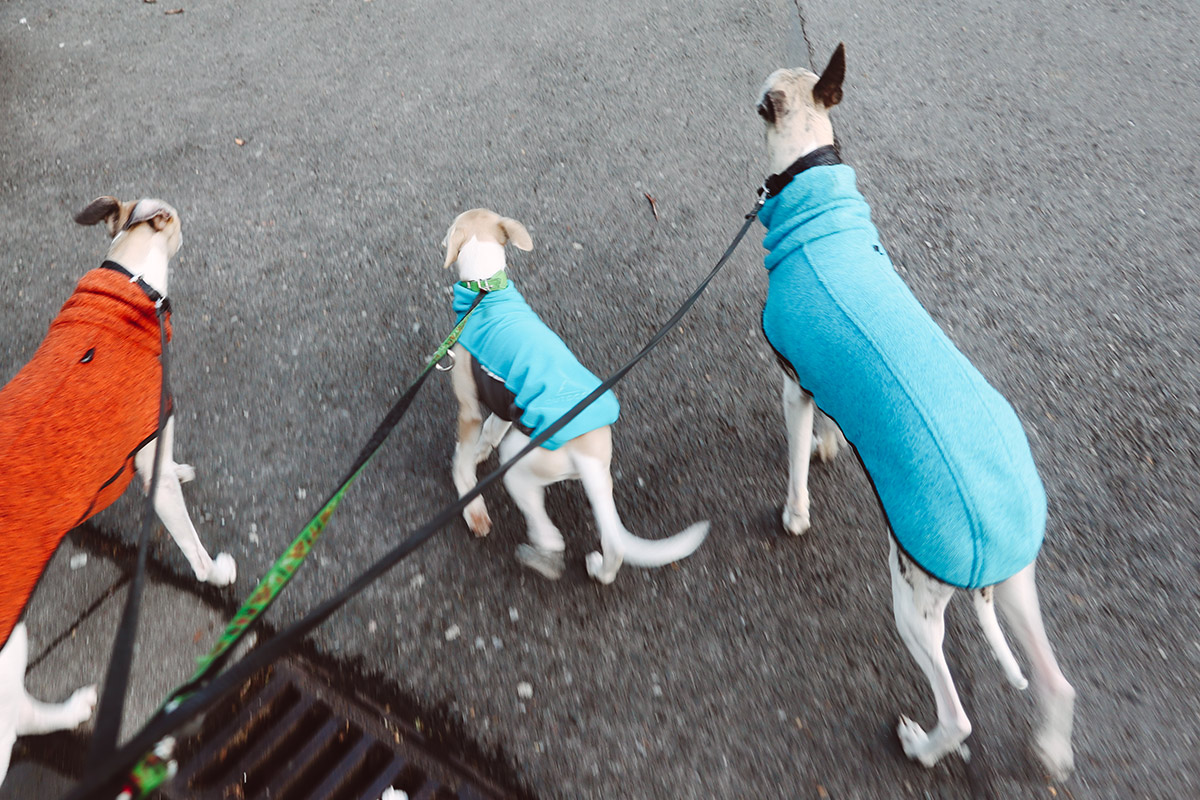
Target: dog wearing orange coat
(76, 423)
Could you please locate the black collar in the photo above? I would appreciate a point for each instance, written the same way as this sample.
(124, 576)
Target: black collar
(158, 300)
(821, 157)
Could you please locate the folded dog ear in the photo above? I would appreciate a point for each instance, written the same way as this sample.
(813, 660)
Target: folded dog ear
(456, 237)
(828, 91)
(770, 107)
(153, 211)
(516, 233)
(112, 211)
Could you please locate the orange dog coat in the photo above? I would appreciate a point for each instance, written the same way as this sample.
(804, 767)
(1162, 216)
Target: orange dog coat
(70, 423)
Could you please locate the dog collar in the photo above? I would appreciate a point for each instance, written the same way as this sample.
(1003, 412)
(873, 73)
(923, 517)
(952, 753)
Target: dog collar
(492, 284)
(159, 300)
(821, 157)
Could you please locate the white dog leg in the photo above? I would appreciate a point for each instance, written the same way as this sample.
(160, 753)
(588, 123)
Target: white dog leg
(20, 714)
(526, 483)
(37, 717)
(494, 430)
(13, 659)
(470, 452)
(1017, 598)
(171, 509)
(798, 413)
(985, 608)
(470, 442)
(597, 483)
(919, 603)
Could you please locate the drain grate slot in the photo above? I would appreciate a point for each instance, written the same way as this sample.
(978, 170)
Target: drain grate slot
(286, 735)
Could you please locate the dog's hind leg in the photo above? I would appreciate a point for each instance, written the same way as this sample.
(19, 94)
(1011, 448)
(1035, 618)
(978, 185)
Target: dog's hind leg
(1017, 598)
(919, 602)
(798, 414)
(171, 509)
(526, 482)
(592, 458)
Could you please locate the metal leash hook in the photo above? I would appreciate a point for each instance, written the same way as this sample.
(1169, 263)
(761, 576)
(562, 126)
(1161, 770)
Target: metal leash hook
(438, 366)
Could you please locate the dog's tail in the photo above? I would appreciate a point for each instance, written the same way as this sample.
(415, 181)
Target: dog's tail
(597, 482)
(659, 552)
(986, 609)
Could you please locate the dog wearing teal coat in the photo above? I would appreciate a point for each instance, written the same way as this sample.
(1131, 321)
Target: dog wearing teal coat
(945, 452)
(510, 366)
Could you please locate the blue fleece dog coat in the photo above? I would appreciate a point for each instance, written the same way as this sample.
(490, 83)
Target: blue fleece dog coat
(945, 451)
(512, 343)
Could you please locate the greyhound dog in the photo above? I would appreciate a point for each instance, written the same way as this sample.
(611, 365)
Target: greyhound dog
(75, 423)
(948, 458)
(508, 362)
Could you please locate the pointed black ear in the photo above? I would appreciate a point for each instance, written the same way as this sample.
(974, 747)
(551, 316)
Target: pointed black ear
(770, 107)
(828, 91)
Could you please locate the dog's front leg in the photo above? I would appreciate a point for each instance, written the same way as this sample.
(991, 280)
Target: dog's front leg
(470, 440)
(798, 413)
(919, 603)
(171, 509)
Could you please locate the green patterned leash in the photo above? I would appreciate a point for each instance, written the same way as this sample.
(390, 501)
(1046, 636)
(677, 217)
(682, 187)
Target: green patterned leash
(156, 768)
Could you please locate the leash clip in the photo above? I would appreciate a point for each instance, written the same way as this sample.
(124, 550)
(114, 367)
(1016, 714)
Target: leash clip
(759, 203)
(438, 366)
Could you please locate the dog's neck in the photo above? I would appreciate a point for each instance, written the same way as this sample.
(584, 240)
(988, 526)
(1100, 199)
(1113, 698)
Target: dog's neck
(782, 154)
(480, 260)
(142, 251)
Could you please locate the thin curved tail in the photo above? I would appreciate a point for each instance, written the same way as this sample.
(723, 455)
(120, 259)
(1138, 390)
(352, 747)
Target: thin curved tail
(597, 483)
(659, 552)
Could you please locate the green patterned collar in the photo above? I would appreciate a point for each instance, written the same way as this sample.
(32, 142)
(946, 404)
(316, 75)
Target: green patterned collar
(492, 284)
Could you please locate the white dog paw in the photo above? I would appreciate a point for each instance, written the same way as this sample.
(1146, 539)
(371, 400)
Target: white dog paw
(595, 568)
(223, 570)
(795, 523)
(477, 517)
(549, 563)
(1055, 753)
(914, 740)
(393, 794)
(185, 473)
(81, 705)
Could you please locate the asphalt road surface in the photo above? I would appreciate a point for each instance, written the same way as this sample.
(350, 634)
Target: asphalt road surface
(1031, 165)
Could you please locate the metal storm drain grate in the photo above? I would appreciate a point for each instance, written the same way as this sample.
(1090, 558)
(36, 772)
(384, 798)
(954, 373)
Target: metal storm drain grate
(285, 735)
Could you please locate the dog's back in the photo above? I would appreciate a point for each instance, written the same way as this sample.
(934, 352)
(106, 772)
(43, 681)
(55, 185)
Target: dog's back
(70, 423)
(511, 342)
(945, 451)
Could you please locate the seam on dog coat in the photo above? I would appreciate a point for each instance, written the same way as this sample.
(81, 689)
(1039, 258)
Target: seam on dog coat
(511, 342)
(71, 422)
(945, 451)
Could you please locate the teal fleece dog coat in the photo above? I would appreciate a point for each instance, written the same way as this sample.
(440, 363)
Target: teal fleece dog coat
(945, 451)
(511, 343)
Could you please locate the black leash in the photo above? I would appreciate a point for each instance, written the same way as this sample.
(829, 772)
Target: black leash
(116, 685)
(103, 782)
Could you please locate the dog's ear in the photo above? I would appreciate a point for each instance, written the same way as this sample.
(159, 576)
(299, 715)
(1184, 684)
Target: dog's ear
(112, 211)
(157, 213)
(828, 91)
(770, 106)
(456, 237)
(516, 233)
